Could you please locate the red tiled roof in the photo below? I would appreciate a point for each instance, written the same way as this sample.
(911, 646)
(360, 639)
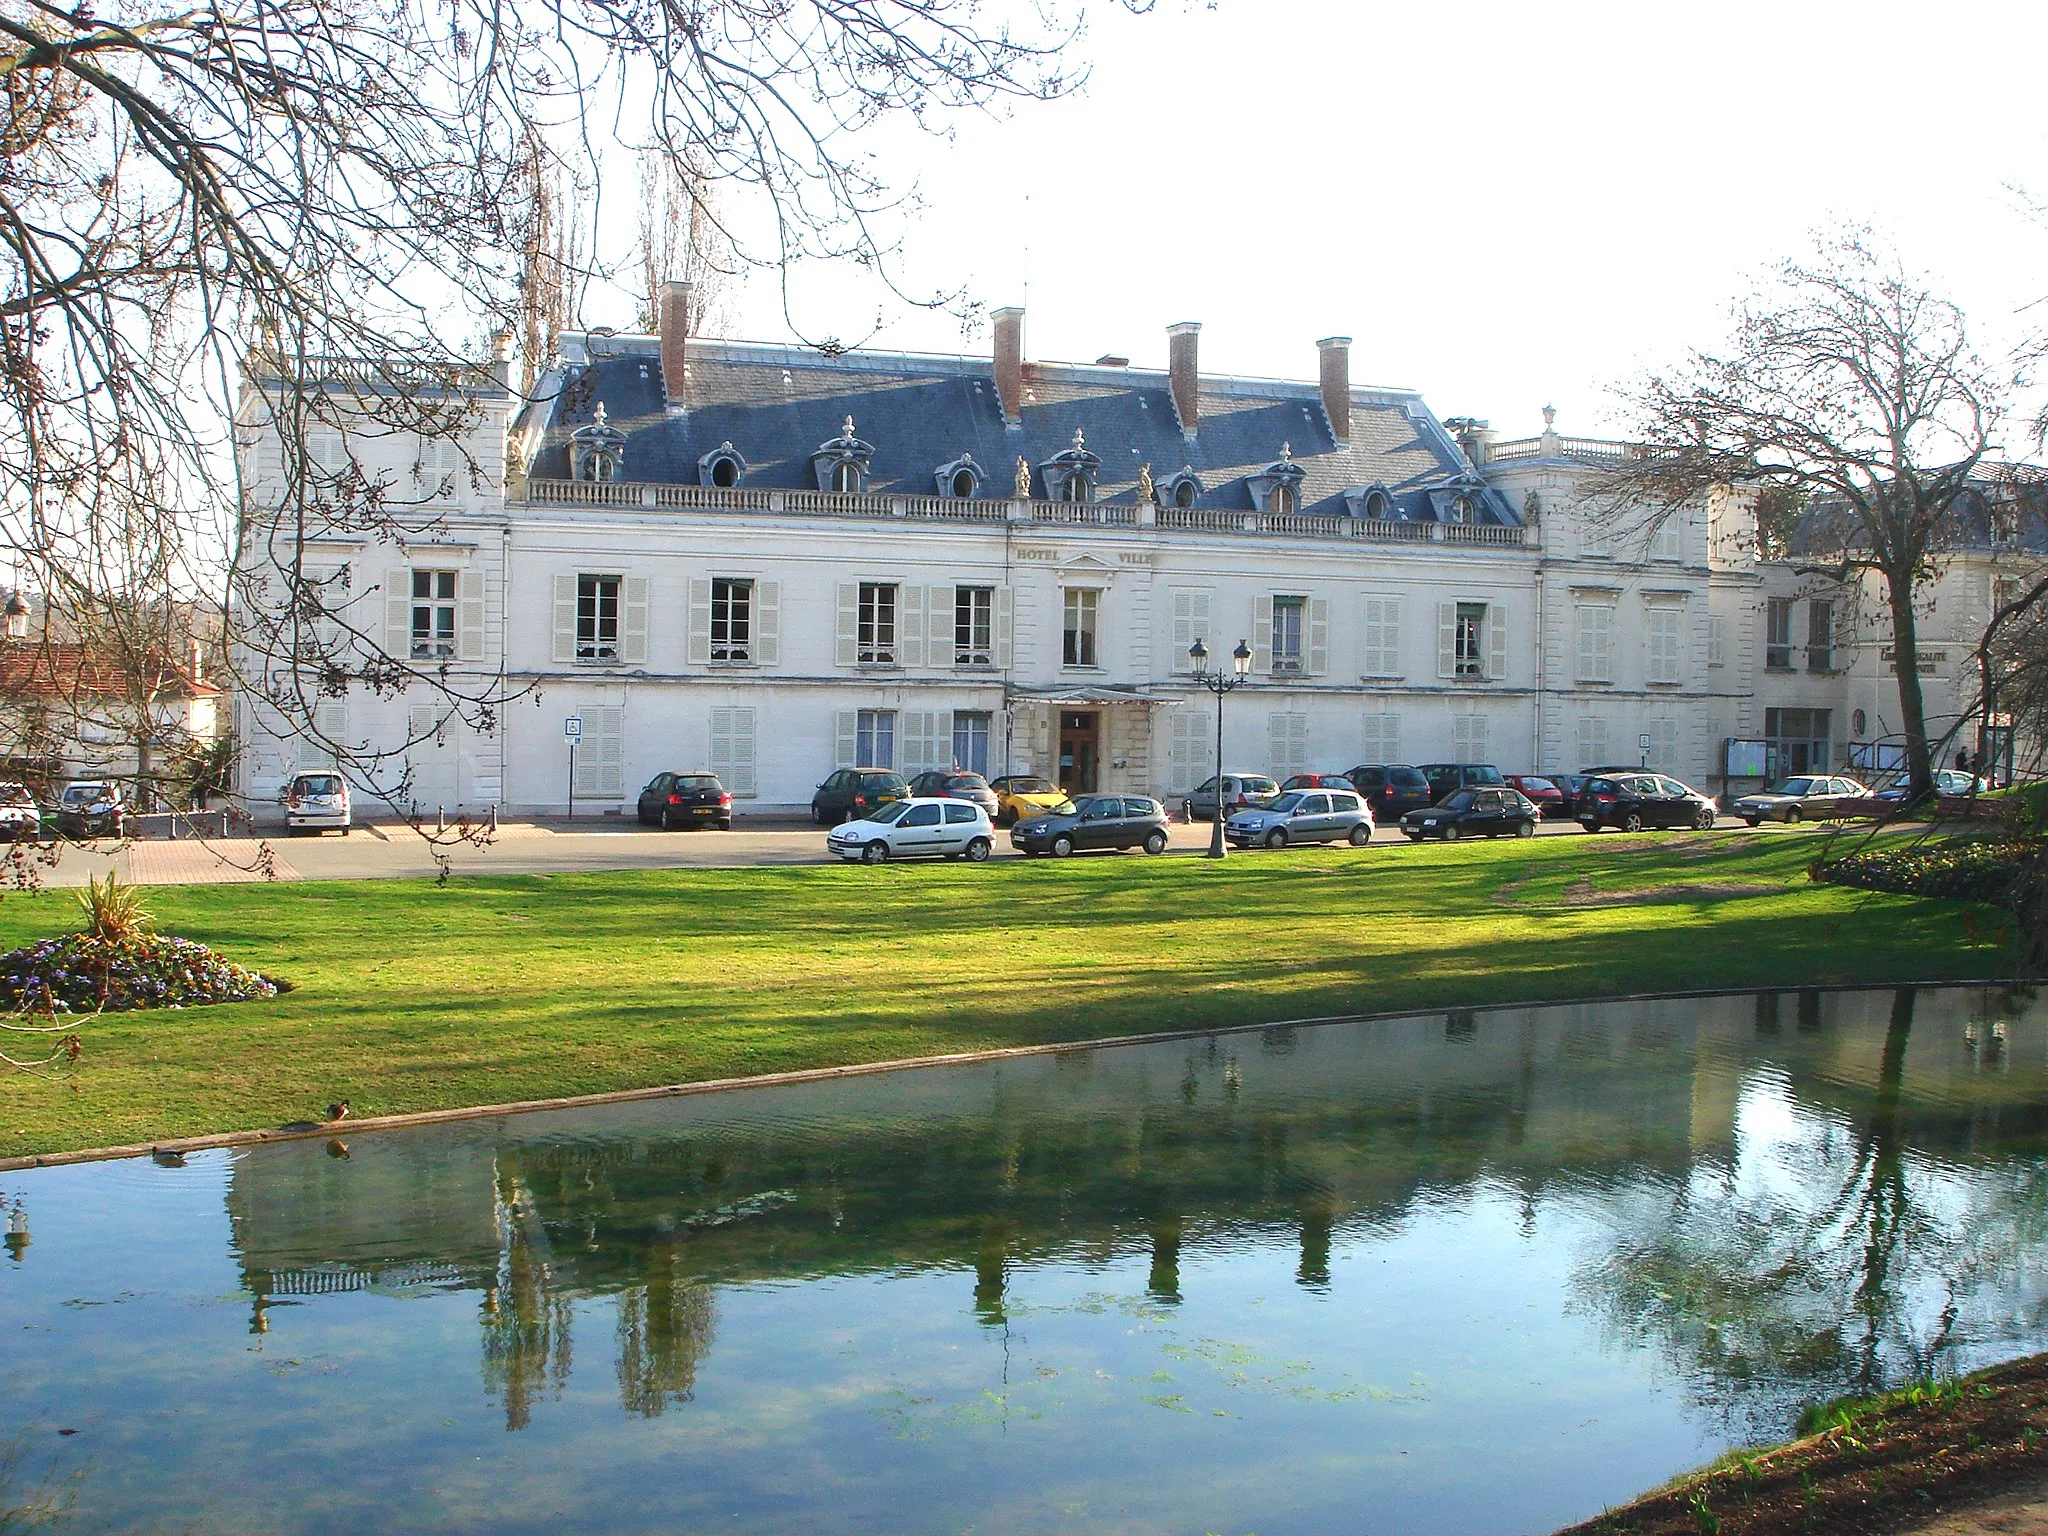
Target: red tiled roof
(38, 669)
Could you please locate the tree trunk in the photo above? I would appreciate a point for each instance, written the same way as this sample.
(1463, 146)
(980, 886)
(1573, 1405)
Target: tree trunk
(1912, 708)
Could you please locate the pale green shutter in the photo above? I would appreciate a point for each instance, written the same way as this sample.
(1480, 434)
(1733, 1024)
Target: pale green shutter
(469, 619)
(565, 617)
(1262, 638)
(1496, 642)
(848, 652)
(767, 629)
(1446, 639)
(699, 653)
(633, 642)
(1003, 626)
(398, 615)
(846, 739)
(1318, 636)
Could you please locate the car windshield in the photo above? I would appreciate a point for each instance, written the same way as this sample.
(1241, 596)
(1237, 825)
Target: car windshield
(883, 783)
(1407, 778)
(317, 784)
(1029, 787)
(967, 781)
(1799, 787)
(889, 814)
(82, 794)
(1257, 786)
(1097, 807)
(1287, 803)
(697, 781)
(1533, 783)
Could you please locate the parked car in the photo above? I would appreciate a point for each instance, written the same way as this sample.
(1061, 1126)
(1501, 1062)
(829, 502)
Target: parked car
(1391, 789)
(1239, 790)
(90, 808)
(20, 821)
(957, 786)
(1633, 801)
(1444, 778)
(1947, 781)
(673, 800)
(1094, 821)
(313, 802)
(1022, 794)
(911, 829)
(1481, 812)
(1318, 781)
(1571, 786)
(1549, 799)
(1807, 795)
(1303, 816)
(851, 793)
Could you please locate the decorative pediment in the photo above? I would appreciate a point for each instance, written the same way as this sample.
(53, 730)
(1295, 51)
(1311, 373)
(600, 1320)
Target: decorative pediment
(841, 463)
(1462, 499)
(597, 449)
(1086, 571)
(1072, 473)
(1277, 487)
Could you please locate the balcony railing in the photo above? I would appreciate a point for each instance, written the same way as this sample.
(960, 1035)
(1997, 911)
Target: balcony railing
(708, 498)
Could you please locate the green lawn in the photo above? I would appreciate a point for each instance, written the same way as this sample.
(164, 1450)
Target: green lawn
(412, 997)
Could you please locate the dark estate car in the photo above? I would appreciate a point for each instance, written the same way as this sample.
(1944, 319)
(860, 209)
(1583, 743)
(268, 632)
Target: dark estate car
(1391, 789)
(953, 785)
(1094, 821)
(1445, 777)
(1484, 812)
(1550, 798)
(851, 793)
(1303, 816)
(1633, 801)
(1239, 791)
(673, 800)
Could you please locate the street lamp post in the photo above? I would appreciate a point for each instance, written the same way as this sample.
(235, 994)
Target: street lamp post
(1220, 683)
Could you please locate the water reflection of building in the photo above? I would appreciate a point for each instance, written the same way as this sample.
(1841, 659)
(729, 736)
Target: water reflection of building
(1296, 1137)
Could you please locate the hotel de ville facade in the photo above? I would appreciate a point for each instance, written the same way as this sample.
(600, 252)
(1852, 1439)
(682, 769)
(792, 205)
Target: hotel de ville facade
(771, 562)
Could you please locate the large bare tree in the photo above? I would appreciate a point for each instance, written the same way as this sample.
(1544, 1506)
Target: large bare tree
(349, 203)
(1849, 396)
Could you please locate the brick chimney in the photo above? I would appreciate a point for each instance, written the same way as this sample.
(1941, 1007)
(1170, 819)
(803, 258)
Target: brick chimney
(1181, 374)
(1009, 325)
(1336, 351)
(674, 322)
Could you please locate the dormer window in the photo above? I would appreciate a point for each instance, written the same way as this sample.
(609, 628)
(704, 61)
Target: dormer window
(960, 479)
(722, 467)
(1071, 474)
(596, 450)
(1181, 488)
(1184, 494)
(1461, 509)
(841, 464)
(1462, 499)
(1277, 487)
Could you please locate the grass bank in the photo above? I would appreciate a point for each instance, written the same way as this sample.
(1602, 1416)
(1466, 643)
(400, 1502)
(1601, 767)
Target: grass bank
(412, 997)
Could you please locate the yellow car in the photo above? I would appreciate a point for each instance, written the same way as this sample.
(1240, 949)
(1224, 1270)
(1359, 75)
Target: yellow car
(1020, 795)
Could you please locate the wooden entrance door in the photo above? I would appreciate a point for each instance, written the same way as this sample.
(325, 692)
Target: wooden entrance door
(1080, 750)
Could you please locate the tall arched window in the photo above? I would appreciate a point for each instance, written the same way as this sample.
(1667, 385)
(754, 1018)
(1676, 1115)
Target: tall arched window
(1461, 510)
(1076, 488)
(1280, 499)
(846, 476)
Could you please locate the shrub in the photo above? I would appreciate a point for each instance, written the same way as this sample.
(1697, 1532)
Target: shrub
(114, 913)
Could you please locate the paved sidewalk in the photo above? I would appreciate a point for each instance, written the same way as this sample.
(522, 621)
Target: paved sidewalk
(216, 861)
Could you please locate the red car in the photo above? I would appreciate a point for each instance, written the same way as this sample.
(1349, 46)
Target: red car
(1550, 800)
(1320, 781)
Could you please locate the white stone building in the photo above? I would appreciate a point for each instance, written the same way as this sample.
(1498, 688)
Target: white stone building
(771, 562)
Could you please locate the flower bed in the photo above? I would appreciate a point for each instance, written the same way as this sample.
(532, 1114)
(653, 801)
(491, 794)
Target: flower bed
(2006, 873)
(78, 973)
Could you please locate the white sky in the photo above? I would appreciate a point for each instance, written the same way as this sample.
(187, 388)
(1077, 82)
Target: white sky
(1502, 204)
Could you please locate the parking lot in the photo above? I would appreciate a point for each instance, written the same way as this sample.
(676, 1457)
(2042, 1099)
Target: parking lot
(388, 851)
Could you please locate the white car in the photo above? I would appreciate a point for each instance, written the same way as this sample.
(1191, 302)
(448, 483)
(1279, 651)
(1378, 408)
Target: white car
(20, 821)
(313, 802)
(916, 828)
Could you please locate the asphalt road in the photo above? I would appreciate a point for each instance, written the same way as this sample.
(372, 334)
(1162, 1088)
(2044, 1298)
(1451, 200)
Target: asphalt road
(396, 852)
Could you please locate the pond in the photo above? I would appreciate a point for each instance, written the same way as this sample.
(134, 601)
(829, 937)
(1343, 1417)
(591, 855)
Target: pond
(1478, 1272)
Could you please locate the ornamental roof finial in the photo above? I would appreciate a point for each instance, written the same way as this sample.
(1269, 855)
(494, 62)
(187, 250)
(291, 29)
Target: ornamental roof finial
(1287, 453)
(1080, 439)
(598, 414)
(847, 430)
(1549, 417)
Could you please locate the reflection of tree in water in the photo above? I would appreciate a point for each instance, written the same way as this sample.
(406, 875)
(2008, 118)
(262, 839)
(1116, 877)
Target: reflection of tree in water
(1845, 1266)
(664, 1330)
(526, 1336)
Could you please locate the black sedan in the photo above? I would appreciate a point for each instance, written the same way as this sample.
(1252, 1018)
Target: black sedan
(1633, 801)
(1094, 821)
(1484, 812)
(673, 800)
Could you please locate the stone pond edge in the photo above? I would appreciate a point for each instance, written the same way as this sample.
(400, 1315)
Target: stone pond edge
(353, 1127)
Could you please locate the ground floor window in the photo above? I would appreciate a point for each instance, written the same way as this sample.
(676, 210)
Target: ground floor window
(1796, 741)
(1287, 742)
(732, 750)
(970, 740)
(1382, 739)
(874, 738)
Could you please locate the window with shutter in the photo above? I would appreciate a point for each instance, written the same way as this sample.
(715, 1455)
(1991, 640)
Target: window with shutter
(1081, 607)
(732, 619)
(698, 646)
(845, 738)
(1668, 541)
(326, 742)
(1190, 747)
(1380, 637)
(1446, 639)
(1595, 536)
(876, 630)
(1318, 636)
(633, 642)
(1717, 641)
(1382, 738)
(732, 750)
(1496, 642)
(1594, 650)
(565, 617)
(768, 623)
(1286, 628)
(1591, 738)
(1003, 627)
(1192, 607)
(911, 626)
(1663, 754)
(1663, 663)
(847, 645)
(470, 641)
(600, 760)
(919, 728)
(432, 635)
(1262, 637)
(1287, 742)
(1468, 738)
(974, 611)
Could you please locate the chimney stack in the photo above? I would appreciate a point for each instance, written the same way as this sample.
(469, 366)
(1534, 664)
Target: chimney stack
(1336, 351)
(674, 323)
(1009, 325)
(1181, 374)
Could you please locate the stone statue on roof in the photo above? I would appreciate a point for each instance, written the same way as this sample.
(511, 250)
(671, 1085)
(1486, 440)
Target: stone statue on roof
(1022, 490)
(1145, 488)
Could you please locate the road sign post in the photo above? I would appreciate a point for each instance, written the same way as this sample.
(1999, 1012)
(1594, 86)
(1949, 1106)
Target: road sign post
(572, 733)
(1643, 746)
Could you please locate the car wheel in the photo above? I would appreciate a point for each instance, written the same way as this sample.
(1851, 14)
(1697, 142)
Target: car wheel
(1703, 819)
(1751, 820)
(667, 822)
(1632, 822)
(1155, 842)
(1277, 838)
(1525, 829)
(876, 852)
(1360, 836)
(817, 816)
(1062, 846)
(1450, 832)
(344, 831)
(1792, 816)
(977, 851)
(1590, 826)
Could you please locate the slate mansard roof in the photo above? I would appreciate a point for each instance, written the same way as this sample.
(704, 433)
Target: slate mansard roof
(776, 405)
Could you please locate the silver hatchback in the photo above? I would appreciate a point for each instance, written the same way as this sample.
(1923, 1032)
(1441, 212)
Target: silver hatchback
(1303, 816)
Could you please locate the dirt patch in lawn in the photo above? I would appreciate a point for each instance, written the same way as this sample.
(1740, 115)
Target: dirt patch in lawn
(1913, 1461)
